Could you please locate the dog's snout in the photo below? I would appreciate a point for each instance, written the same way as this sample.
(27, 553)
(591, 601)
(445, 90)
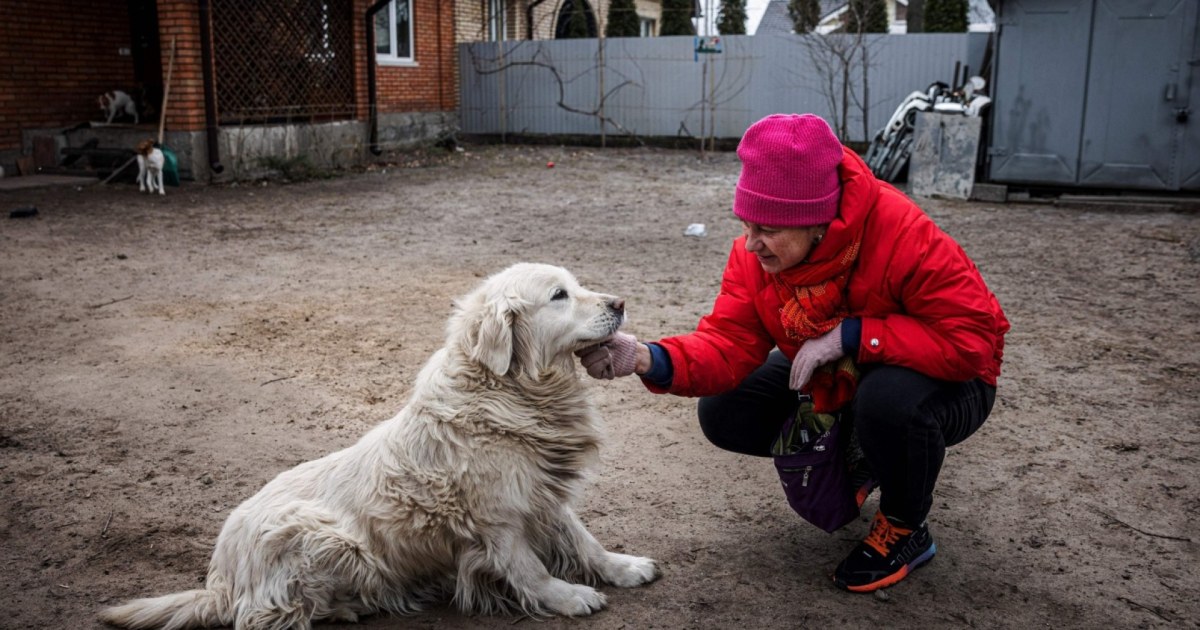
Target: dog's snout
(617, 305)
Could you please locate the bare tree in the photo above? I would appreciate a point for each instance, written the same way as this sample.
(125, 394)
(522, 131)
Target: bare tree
(727, 78)
(540, 58)
(835, 59)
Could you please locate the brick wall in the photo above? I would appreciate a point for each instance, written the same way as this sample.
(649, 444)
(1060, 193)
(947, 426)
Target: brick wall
(431, 83)
(180, 20)
(472, 19)
(56, 58)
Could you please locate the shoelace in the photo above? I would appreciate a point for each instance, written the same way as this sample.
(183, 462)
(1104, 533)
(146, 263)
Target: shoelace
(883, 534)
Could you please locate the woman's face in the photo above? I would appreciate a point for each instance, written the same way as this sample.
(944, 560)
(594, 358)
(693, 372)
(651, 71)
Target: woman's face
(779, 248)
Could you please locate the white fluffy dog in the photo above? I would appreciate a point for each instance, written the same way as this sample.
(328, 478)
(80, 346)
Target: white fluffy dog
(467, 491)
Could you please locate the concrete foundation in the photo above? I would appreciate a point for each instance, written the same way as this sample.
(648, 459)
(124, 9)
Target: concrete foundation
(257, 151)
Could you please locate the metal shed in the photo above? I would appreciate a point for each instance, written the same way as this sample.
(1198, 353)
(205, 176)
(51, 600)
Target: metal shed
(1096, 93)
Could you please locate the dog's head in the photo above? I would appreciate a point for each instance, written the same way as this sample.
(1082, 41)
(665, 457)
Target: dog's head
(144, 147)
(531, 318)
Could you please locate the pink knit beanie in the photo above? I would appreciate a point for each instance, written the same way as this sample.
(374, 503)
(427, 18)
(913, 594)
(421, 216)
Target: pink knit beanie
(789, 172)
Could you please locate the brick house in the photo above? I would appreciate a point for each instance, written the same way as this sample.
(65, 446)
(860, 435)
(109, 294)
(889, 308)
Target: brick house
(496, 20)
(251, 81)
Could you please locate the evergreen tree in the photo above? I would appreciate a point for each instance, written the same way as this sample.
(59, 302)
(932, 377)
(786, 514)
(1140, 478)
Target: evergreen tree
(622, 20)
(577, 26)
(677, 18)
(805, 14)
(733, 17)
(867, 16)
(915, 16)
(946, 16)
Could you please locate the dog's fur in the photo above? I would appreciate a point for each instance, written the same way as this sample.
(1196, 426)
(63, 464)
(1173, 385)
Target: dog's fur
(118, 102)
(467, 491)
(150, 167)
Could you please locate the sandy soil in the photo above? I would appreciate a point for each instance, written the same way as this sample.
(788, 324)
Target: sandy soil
(163, 357)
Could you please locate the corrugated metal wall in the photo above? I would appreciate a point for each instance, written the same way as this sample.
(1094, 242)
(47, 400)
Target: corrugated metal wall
(1098, 94)
(657, 87)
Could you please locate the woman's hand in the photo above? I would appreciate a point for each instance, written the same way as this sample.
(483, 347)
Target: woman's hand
(619, 356)
(813, 354)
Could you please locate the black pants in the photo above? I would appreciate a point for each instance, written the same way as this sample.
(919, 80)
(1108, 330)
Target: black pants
(904, 419)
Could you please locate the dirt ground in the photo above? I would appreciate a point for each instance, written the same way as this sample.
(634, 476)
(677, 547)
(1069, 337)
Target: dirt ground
(161, 358)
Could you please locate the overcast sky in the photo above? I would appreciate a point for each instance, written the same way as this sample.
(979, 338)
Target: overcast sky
(754, 11)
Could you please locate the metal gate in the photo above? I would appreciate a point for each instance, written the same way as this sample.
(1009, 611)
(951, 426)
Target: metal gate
(1097, 93)
(283, 60)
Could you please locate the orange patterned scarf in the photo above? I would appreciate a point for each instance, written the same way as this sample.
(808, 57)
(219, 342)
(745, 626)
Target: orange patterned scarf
(814, 303)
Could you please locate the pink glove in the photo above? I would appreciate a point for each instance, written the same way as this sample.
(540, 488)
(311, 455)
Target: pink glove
(613, 358)
(813, 354)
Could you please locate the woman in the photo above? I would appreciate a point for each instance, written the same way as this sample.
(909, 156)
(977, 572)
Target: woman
(833, 263)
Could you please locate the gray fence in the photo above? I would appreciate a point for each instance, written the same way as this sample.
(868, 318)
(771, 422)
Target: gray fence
(662, 87)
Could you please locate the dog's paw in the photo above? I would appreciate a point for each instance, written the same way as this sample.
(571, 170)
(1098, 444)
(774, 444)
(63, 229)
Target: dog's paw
(575, 600)
(625, 571)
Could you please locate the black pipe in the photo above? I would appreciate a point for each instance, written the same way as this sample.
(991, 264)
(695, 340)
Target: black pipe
(210, 89)
(373, 122)
(529, 18)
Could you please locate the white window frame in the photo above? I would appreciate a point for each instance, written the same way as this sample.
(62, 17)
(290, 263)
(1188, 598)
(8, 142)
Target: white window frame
(647, 26)
(392, 59)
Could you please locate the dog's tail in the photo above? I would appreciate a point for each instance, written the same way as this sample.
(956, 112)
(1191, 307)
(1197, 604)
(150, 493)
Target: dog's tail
(178, 611)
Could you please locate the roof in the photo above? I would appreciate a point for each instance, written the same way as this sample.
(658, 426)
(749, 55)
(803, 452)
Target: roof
(775, 19)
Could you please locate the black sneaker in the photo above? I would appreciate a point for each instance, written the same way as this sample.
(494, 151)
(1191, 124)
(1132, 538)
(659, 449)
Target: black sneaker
(888, 554)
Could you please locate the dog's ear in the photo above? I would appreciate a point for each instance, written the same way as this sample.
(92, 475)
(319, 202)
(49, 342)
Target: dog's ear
(494, 340)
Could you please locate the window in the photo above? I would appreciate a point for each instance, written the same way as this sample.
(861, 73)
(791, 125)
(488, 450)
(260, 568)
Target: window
(647, 26)
(575, 19)
(393, 33)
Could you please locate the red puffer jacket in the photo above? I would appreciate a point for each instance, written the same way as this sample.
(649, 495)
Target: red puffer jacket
(921, 300)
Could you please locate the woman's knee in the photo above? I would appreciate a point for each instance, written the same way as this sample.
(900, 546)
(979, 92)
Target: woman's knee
(729, 427)
(889, 400)
(713, 418)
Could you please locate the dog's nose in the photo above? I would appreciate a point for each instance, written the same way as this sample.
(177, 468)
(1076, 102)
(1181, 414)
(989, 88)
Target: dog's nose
(618, 305)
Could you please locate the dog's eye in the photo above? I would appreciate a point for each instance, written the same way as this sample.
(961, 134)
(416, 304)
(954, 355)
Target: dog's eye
(559, 294)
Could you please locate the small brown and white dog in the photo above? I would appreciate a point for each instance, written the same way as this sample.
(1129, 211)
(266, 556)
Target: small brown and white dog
(118, 102)
(467, 492)
(150, 167)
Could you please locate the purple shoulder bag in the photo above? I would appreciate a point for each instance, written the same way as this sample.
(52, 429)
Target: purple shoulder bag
(810, 457)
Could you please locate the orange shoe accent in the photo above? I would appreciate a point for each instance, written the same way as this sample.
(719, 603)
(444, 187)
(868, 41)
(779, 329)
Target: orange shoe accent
(860, 497)
(878, 584)
(884, 534)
